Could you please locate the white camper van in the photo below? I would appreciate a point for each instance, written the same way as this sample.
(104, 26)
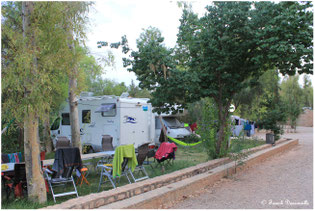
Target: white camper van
(174, 128)
(127, 120)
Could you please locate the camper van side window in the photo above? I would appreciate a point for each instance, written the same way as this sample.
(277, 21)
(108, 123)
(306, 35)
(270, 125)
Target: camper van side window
(86, 116)
(110, 110)
(65, 119)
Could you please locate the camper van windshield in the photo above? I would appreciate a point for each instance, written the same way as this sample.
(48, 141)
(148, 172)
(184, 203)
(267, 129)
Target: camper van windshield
(55, 125)
(172, 122)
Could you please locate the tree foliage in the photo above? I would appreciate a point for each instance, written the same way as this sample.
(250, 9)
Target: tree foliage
(35, 58)
(222, 52)
(291, 94)
(307, 97)
(268, 109)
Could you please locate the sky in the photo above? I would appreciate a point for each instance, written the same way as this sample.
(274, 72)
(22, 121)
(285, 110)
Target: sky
(111, 19)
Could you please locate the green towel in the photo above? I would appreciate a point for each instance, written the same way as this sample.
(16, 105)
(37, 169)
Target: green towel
(127, 151)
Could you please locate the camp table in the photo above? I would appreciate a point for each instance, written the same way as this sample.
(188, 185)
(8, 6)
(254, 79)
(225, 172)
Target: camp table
(85, 157)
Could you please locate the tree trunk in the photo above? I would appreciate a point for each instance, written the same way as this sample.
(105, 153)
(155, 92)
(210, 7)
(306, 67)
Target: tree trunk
(163, 128)
(47, 138)
(223, 114)
(221, 135)
(74, 114)
(34, 175)
(35, 181)
(21, 136)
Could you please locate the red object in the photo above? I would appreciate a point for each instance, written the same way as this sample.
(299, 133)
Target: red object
(47, 188)
(164, 150)
(151, 146)
(193, 127)
(42, 155)
(18, 190)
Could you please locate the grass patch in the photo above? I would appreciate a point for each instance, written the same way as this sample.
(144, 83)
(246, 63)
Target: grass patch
(185, 157)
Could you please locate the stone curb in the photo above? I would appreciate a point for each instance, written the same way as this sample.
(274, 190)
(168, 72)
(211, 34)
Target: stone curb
(177, 191)
(96, 200)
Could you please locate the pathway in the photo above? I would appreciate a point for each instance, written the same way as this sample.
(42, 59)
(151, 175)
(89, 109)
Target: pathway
(284, 181)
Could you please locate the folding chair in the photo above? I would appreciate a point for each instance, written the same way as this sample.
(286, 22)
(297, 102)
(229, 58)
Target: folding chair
(166, 152)
(124, 162)
(66, 159)
(107, 145)
(20, 184)
(107, 173)
(142, 154)
(17, 183)
(82, 177)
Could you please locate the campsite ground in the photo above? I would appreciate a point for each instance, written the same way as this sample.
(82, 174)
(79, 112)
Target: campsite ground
(285, 181)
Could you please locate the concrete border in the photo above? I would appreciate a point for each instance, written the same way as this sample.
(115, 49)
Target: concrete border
(174, 192)
(192, 175)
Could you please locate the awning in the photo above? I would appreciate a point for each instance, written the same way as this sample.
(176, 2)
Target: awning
(105, 108)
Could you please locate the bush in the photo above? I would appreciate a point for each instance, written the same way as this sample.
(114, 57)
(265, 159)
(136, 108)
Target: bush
(208, 127)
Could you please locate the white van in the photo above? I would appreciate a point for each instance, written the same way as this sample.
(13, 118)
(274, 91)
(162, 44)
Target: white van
(174, 128)
(127, 120)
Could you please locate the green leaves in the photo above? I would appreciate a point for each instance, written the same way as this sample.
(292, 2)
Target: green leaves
(42, 78)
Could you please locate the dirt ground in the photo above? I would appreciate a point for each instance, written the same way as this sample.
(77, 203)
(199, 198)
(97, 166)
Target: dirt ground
(284, 181)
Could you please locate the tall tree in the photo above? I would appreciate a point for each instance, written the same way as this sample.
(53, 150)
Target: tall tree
(267, 108)
(218, 53)
(35, 181)
(76, 15)
(35, 56)
(307, 97)
(292, 94)
(135, 91)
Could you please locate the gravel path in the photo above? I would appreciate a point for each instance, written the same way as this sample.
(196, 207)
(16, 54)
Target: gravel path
(284, 181)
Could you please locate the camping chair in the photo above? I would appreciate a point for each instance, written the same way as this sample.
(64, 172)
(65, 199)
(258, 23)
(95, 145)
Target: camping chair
(107, 173)
(17, 183)
(20, 183)
(107, 145)
(62, 142)
(166, 152)
(61, 173)
(123, 163)
(142, 154)
(150, 154)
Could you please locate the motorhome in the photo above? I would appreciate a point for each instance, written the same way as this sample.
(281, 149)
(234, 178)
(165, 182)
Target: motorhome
(174, 128)
(127, 120)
